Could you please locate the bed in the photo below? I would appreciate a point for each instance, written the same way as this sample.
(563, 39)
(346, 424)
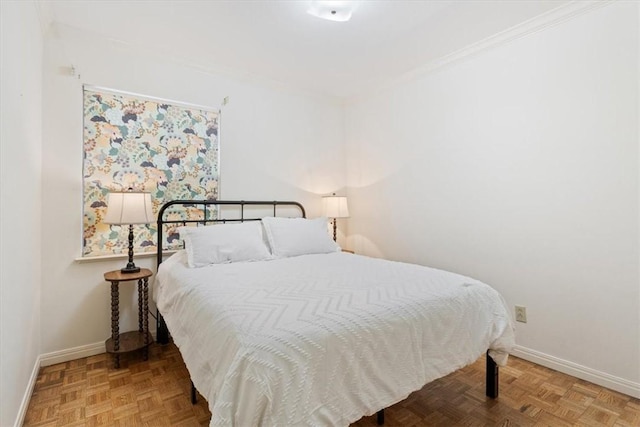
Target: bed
(307, 334)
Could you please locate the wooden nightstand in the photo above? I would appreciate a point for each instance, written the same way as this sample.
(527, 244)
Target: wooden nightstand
(134, 340)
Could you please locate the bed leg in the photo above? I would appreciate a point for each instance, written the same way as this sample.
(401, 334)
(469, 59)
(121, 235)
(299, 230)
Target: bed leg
(194, 396)
(492, 378)
(380, 417)
(162, 331)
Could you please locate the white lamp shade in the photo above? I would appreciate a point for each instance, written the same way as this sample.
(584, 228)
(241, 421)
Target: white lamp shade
(129, 208)
(335, 207)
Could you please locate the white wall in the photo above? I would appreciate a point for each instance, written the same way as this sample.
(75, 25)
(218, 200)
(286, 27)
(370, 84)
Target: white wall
(519, 166)
(274, 145)
(20, 190)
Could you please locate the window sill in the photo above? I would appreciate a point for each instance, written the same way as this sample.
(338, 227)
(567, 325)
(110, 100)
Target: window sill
(121, 256)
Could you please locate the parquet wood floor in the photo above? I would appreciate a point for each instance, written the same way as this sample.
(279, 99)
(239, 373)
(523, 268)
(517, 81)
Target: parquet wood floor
(156, 393)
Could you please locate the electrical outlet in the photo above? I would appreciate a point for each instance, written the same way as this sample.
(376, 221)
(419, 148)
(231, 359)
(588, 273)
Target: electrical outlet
(521, 313)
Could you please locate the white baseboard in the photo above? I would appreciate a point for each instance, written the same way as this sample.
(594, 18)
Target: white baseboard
(603, 379)
(24, 405)
(74, 353)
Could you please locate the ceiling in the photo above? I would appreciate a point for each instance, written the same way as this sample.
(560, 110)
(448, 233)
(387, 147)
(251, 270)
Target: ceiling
(278, 41)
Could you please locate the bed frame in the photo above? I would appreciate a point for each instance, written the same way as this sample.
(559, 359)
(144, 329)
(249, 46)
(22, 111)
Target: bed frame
(162, 330)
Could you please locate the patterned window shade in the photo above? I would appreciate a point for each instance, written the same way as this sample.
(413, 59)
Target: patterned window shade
(166, 148)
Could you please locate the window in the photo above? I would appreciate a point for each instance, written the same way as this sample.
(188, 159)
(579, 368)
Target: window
(130, 141)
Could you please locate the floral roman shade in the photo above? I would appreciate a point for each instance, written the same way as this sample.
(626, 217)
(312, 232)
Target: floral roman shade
(166, 148)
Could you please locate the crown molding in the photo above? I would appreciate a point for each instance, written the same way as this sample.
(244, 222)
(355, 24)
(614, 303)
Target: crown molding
(539, 23)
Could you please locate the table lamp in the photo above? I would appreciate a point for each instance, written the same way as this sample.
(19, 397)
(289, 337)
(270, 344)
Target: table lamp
(129, 207)
(335, 207)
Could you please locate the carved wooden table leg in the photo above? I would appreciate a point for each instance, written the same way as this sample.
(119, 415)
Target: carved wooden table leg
(145, 317)
(140, 305)
(115, 318)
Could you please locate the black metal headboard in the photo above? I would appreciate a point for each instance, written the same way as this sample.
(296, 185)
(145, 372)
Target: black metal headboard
(239, 205)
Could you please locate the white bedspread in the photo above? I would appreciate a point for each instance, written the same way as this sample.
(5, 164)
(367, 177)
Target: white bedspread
(322, 340)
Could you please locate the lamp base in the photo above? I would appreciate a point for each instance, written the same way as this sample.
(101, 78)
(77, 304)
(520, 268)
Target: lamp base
(334, 230)
(131, 267)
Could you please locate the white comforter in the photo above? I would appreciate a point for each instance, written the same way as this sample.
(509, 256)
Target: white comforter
(322, 340)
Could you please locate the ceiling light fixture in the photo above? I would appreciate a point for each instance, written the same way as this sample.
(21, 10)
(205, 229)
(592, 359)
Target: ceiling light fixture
(332, 10)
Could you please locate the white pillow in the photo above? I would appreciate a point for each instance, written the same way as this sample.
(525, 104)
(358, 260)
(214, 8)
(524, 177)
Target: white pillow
(298, 236)
(222, 243)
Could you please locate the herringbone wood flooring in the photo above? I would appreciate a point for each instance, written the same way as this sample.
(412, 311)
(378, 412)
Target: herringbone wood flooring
(156, 393)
